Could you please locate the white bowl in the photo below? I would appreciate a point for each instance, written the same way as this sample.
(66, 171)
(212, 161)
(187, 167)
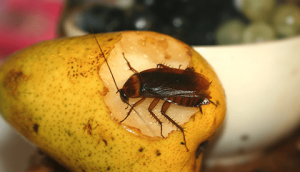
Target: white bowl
(262, 86)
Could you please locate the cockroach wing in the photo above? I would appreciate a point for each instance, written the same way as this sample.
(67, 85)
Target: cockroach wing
(171, 82)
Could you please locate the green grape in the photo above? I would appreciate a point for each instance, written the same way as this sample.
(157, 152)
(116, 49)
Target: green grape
(230, 32)
(286, 20)
(258, 10)
(258, 32)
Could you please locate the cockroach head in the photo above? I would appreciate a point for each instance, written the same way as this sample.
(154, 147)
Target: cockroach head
(131, 88)
(123, 96)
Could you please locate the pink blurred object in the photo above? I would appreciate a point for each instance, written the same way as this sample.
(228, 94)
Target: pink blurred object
(25, 22)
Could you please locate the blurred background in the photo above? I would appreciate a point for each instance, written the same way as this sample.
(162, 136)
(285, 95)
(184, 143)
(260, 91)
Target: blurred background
(196, 22)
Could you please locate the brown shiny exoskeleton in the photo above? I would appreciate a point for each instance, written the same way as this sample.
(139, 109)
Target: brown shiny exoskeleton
(181, 87)
(177, 86)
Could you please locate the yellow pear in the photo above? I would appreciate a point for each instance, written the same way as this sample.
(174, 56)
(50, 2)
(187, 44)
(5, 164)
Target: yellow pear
(61, 96)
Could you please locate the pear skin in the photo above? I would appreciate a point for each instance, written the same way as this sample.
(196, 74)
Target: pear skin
(60, 95)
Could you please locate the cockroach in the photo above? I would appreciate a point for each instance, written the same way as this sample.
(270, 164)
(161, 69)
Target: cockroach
(174, 86)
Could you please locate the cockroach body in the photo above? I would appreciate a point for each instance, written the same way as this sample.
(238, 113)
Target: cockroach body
(180, 87)
(177, 86)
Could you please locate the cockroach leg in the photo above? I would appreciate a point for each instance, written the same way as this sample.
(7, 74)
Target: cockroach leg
(131, 68)
(200, 109)
(206, 102)
(150, 108)
(213, 103)
(191, 69)
(163, 111)
(134, 105)
(162, 66)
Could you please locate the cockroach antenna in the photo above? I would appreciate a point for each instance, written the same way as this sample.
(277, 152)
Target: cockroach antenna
(108, 64)
(103, 54)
